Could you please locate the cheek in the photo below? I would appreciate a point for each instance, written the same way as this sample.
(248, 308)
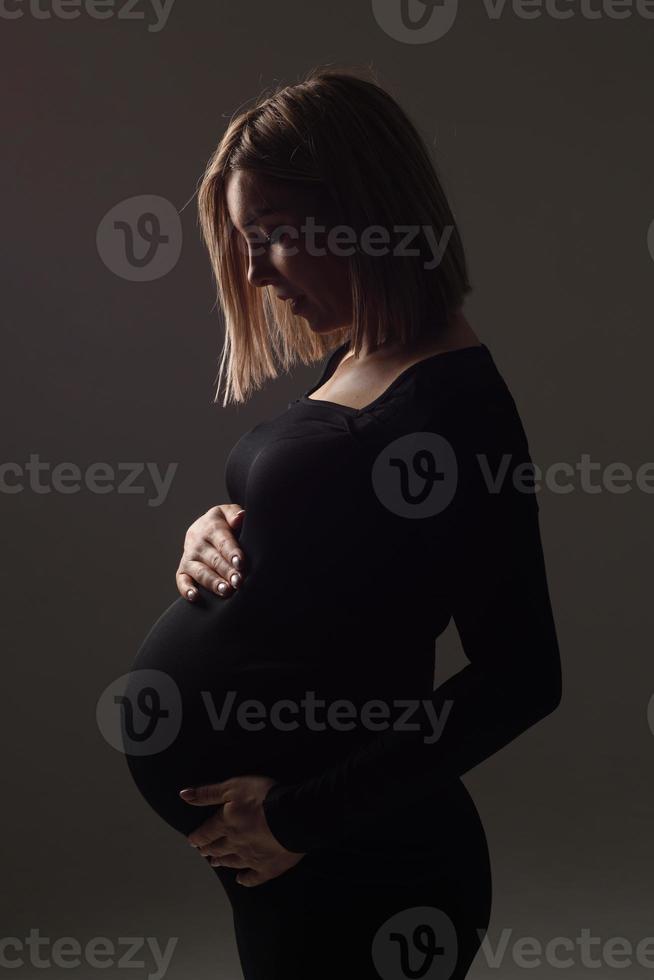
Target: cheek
(323, 273)
(304, 270)
(335, 278)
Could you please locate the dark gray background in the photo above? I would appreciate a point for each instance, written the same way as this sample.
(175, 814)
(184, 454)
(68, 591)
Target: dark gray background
(542, 133)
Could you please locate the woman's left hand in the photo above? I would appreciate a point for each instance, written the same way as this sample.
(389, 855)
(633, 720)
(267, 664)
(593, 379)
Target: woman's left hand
(238, 835)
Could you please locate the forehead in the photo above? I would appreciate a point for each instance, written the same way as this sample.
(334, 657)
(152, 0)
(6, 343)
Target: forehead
(250, 195)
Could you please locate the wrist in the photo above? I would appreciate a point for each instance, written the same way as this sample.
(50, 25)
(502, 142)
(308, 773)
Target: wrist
(278, 808)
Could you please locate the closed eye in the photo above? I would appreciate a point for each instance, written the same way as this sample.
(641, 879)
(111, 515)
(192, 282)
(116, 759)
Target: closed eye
(278, 236)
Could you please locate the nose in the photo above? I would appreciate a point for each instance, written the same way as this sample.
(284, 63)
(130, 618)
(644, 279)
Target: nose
(259, 269)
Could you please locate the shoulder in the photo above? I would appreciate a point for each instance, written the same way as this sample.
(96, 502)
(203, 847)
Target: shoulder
(462, 391)
(478, 432)
(469, 396)
(463, 399)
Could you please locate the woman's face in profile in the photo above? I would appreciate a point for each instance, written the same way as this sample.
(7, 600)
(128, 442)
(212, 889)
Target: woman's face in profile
(283, 231)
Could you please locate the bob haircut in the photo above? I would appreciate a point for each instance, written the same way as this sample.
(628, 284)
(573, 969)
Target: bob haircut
(343, 135)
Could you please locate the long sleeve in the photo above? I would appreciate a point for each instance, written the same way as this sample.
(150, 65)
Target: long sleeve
(501, 607)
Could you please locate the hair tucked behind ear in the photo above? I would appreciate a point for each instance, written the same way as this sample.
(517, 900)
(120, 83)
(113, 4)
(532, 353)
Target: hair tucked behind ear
(340, 132)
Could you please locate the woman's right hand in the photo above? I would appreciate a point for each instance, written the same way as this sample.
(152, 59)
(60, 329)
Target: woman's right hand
(212, 556)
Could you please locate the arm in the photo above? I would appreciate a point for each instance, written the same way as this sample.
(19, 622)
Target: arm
(501, 606)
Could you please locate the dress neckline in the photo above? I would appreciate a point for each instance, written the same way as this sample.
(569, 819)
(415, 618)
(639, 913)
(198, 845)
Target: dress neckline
(331, 367)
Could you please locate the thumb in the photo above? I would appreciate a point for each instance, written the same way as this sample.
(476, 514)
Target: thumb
(249, 878)
(206, 795)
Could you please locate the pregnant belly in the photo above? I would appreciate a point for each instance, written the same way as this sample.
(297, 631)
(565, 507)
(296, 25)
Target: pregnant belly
(214, 692)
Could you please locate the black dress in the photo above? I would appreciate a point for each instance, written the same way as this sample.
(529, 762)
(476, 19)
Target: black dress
(365, 531)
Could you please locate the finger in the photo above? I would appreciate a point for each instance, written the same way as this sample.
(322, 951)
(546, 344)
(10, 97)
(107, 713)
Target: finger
(251, 878)
(214, 556)
(207, 795)
(221, 539)
(219, 560)
(233, 514)
(201, 575)
(215, 848)
(208, 832)
(186, 587)
(230, 860)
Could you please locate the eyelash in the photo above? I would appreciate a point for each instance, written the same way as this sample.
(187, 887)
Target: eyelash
(268, 239)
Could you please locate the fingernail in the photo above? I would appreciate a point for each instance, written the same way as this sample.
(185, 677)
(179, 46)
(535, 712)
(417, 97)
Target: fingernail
(235, 579)
(187, 794)
(191, 594)
(236, 561)
(222, 588)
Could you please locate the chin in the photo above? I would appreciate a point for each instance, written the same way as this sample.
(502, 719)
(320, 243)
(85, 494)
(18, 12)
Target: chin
(321, 327)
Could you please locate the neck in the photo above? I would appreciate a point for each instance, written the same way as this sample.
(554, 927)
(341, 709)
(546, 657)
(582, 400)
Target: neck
(457, 332)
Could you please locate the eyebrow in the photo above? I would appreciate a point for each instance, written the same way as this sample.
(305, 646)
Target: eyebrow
(258, 214)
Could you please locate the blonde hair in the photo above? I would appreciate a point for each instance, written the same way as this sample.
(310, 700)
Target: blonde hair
(341, 133)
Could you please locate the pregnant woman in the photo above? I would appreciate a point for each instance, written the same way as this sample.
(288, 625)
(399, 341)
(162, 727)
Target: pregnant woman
(313, 765)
